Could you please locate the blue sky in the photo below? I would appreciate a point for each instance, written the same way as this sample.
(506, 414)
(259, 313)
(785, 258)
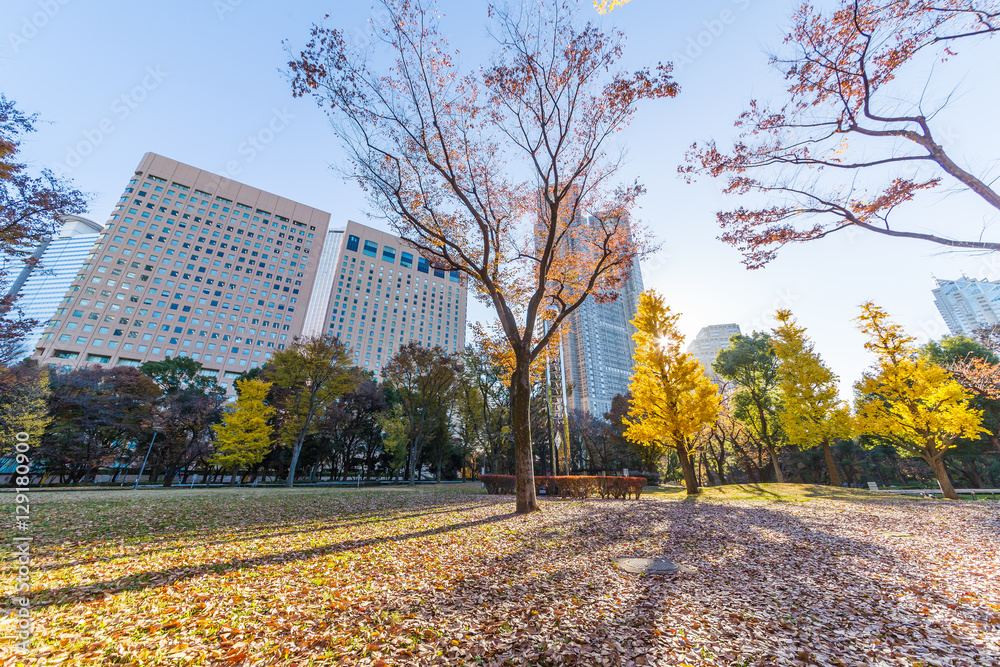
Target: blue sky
(200, 81)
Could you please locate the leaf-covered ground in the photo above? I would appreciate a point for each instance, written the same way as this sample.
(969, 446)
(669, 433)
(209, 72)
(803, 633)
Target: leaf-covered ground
(323, 577)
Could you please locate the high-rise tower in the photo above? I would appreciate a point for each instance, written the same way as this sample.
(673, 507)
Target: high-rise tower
(598, 347)
(190, 264)
(708, 343)
(967, 304)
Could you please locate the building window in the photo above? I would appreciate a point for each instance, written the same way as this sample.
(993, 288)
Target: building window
(371, 248)
(352, 242)
(422, 265)
(406, 260)
(388, 254)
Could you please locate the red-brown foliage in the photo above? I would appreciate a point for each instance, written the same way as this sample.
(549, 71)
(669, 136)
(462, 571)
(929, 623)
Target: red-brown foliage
(851, 142)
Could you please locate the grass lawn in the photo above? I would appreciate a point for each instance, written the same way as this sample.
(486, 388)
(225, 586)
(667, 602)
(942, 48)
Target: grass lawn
(451, 576)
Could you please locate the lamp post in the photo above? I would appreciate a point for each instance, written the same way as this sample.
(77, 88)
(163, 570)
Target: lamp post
(565, 405)
(548, 404)
(143, 468)
(563, 455)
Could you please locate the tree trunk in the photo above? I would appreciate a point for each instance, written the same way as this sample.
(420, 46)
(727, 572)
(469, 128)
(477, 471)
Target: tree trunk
(720, 471)
(296, 450)
(168, 478)
(831, 465)
(524, 469)
(411, 467)
(713, 479)
(232, 478)
(944, 482)
(969, 468)
(774, 461)
(687, 468)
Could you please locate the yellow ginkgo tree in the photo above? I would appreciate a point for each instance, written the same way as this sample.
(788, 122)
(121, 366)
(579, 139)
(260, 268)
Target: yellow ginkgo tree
(244, 437)
(672, 399)
(810, 411)
(910, 402)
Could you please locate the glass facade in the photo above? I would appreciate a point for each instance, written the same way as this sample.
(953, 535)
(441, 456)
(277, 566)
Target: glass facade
(598, 348)
(42, 287)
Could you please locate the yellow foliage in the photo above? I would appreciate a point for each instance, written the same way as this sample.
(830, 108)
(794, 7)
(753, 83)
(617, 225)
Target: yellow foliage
(243, 438)
(913, 403)
(672, 397)
(605, 6)
(811, 412)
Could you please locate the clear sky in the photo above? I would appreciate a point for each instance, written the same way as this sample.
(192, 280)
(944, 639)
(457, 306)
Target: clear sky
(196, 80)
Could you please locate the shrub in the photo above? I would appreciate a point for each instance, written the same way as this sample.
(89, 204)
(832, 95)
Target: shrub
(498, 484)
(652, 478)
(574, 486)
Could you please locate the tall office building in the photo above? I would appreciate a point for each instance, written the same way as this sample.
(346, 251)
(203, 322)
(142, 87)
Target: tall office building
(708, 343)
(192, 264)
(598, 347)
(42, 284)
(376, 294)
(967, 304)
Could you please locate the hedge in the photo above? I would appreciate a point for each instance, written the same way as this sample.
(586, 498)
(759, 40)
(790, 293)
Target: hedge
(570, 486)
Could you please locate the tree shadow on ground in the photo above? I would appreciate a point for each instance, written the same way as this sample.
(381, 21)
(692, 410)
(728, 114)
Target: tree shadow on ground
(175, 541)
(158, 578)
(771, 585)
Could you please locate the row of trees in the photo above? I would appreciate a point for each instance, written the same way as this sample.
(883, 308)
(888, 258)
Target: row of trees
(923, 403)
(307, 414)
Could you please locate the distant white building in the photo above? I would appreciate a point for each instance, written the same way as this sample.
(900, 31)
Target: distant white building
(41, 287)
(709, 342)
(967, 304)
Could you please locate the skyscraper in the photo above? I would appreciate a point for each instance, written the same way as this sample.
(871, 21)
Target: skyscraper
(192, 264)
(42, 285)
(967, 304)
(708, 343)
(598, 348)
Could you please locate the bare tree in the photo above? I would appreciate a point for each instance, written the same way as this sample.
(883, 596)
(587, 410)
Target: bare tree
(501, 173)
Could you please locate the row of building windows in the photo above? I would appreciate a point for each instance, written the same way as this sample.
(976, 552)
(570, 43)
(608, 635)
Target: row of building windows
(226, 242)
(369, 343)
(370, 249)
